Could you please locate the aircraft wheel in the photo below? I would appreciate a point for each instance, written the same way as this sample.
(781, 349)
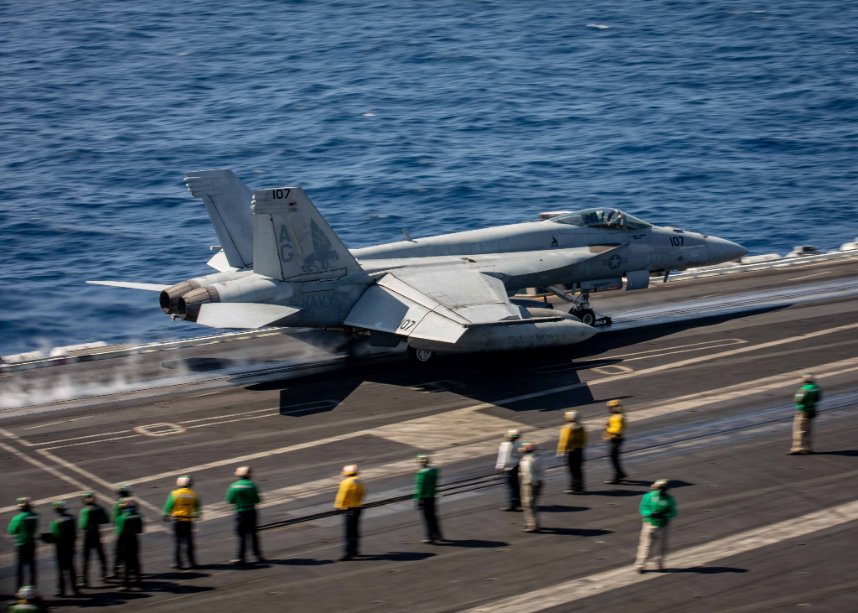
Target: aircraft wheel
(587, 316)
(419, 355)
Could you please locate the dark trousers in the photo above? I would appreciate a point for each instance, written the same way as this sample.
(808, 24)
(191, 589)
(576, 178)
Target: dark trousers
(513, 487)
(65, 568)
(575, 462)
(352, 531)
(92, 541)
(616, 445)
(430, 518)
(183, 534)
(131, 559)
(118, 556)
(26, 559)
(245, 528)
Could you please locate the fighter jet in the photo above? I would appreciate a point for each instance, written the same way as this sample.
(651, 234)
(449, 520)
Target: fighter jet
(281, 264)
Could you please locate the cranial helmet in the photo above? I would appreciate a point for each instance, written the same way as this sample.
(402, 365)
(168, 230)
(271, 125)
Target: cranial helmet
(242, 471)
(350, 470)
(183, 481)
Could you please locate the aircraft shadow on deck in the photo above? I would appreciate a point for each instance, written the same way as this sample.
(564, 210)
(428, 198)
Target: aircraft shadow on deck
(486, 376)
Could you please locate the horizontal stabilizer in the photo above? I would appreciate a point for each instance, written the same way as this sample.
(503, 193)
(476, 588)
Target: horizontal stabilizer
(244, 315)
(149, 287)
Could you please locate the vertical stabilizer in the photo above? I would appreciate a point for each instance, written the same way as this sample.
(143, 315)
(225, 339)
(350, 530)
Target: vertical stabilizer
(293, 242)
(227, 201)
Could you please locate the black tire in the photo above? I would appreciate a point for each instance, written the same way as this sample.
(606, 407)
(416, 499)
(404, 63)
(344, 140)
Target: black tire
(587, 316)
(421, 356)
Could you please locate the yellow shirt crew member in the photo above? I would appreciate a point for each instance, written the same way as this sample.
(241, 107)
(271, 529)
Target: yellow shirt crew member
(350, 500)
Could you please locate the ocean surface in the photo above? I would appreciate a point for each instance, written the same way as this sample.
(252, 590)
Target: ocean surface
(737, 118)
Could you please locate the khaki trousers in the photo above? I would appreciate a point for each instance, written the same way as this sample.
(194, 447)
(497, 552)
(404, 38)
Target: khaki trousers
(801, 430)
(650, 536)
(529, 496)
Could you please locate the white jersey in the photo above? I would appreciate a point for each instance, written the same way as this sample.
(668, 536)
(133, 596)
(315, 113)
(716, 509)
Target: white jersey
(508, 455)
(530, 468)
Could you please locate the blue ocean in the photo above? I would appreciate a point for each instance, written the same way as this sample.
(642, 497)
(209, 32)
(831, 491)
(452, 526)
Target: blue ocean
(738, 118)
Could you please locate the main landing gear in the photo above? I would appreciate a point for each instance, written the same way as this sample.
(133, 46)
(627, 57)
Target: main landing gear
(581, 307)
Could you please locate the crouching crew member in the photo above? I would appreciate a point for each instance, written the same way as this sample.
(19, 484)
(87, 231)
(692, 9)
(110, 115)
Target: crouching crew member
(183, 507)
(63, 536)
(425, 491)
(349, 500)
(92, 517)
(129, 525)
(25, 528)
(573, 439)
(244, 496)
(657, 509)
(27, 600)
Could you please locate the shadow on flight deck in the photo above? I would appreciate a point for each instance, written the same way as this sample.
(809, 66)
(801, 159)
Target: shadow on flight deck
(487, 377)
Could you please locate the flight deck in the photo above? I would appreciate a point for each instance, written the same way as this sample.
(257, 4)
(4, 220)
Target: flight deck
(706, 368)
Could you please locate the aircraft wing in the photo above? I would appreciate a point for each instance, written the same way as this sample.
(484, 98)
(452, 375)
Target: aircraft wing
(438, 305)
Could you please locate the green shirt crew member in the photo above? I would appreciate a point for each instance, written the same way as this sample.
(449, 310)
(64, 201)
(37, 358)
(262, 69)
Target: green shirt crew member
(425, 490)
(244, 496)
(806, 399)
(183, 507)
(25, 528)
(657, 508)
(92, 518)
(63, 535)
(124, 493)
(129, 524)
(28, 601)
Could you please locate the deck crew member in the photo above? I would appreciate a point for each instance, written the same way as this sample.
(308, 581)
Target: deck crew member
(25, 527)
(530, 469)
(123, 493)
(614, 434)
(92, 517)
(27, 600)
(425, 491)
(509, 455)
(183, 507)
(806, 399)
(244, 496)
(573, 439)
(129, 525)
(349, 500)
(657, 508)
(63, 536)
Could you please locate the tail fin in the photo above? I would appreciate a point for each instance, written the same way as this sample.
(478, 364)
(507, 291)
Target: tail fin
(293, 242)
(227, 201)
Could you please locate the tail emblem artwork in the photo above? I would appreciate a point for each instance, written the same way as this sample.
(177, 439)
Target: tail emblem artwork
(281, 264)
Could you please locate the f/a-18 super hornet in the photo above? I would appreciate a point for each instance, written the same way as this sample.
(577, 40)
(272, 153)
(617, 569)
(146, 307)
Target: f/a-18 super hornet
(281, 264)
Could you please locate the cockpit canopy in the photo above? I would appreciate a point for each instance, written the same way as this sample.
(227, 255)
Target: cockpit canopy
(604, 218)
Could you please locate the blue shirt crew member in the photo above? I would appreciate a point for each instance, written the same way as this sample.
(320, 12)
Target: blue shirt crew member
(244, 496)
(63, 536)
(24, 527)
(425, 492)
(92, 517)
(183, 507)
(509, 455)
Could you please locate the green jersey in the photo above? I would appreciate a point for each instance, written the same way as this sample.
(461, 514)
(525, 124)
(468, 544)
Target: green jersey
(426, 482)
(658, 508)
(63, 530)
(24, 527)
(243, 495)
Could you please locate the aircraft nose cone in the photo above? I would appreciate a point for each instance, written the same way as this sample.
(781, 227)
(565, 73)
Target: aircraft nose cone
(722, 250)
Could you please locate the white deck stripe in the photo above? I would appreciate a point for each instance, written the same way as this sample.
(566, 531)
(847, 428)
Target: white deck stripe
(736, 544)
